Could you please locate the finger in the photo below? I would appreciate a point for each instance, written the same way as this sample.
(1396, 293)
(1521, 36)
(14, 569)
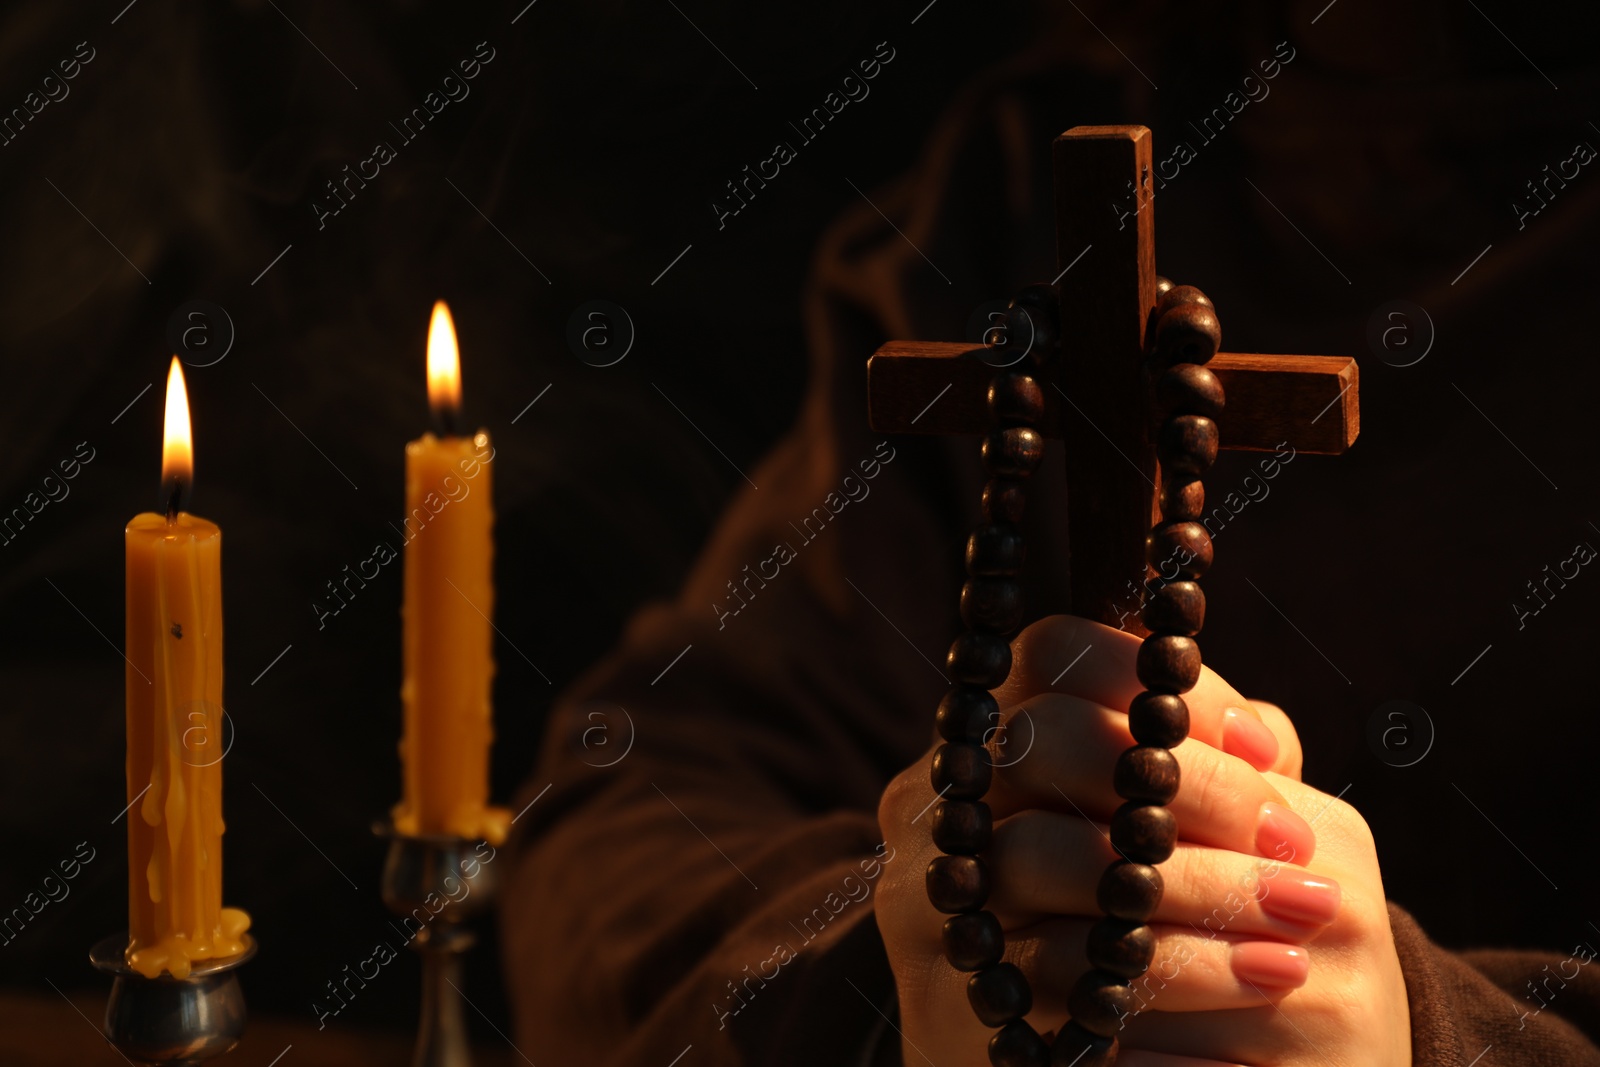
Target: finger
(1290, 758)
(1245, 735)
(1056, 752)
(1346, 848)
(1188, 972)
(1045, 863)
(1066, 654)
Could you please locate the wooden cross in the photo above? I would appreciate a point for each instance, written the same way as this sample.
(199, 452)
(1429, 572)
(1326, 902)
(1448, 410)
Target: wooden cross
(1095, 393)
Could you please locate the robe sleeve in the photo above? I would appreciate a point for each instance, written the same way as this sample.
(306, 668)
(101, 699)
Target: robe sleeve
(703, 867)
(1478, 1007)
(699, 892)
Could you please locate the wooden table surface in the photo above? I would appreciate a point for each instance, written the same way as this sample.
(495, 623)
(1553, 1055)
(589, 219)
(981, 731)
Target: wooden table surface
(50, 1031)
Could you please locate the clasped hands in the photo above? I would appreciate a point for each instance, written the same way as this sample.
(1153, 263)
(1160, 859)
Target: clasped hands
(1272, 940)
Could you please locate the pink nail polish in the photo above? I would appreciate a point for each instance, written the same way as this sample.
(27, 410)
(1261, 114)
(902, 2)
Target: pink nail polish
(1284, 836)
(1271, 964)
(1247, 737)
(1301, 898)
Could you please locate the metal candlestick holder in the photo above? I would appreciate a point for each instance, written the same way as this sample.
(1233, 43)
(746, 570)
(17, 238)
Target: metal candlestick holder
(172, 1022)
(418, 876)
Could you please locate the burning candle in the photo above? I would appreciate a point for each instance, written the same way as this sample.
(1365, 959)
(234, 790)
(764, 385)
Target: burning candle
(449, 601)
(175, 723)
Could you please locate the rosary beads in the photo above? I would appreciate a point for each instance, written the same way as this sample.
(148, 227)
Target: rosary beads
(1186, 400)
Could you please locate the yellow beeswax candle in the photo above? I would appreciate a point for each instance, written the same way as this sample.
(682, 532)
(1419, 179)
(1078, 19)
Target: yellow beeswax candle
(175, 725)
(449, 600)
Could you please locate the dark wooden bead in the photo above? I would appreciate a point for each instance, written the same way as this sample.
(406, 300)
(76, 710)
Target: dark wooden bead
(1015, 400)
(1098, 1002)
(967, 713)
(1158, 719)
(957, 884)
(961, 771)
(962, 827)
(1180, 550)
(1180, 294)
(1017, 1044)
(1163, 285)
(973, 941)
(979, 659)
(1021, 327)
(1004, 500)
(1043, 304)
(1188, 444)
(1145, 772)
(1031, 333)
(999, 994)
(1013, 340)
(1188, 389)
(1012, 453)
(995, 549)
(1168, 663)
(1130, 891)
(1144, 833)
(1176, 608)
(1188, 333)
(1183, 499)
(993, 605)
(1121, 947)
(1076, 1047)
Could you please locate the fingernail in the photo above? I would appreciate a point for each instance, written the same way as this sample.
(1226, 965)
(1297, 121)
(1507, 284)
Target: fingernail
(1269, 963)
(1302, 898)
(1246, 736)
(1283, 835)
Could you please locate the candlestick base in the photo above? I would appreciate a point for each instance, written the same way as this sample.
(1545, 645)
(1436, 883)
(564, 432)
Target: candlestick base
(172, 1022)
(440, 884)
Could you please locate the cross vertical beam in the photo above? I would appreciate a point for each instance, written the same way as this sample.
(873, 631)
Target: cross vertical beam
(1104, 201)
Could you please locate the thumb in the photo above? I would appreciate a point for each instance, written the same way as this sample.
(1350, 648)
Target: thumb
(1289, 759)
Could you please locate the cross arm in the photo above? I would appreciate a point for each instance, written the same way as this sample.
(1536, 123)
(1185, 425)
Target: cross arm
(940, 388)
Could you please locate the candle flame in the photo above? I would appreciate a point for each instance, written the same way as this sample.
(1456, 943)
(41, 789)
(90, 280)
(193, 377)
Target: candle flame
(177, 443)
(444, 364)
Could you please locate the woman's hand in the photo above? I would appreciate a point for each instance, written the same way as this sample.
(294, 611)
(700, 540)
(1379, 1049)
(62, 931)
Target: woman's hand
(1270, 948)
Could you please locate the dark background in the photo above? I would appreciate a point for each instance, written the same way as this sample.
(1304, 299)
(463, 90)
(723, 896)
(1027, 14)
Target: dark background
(198, 137)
